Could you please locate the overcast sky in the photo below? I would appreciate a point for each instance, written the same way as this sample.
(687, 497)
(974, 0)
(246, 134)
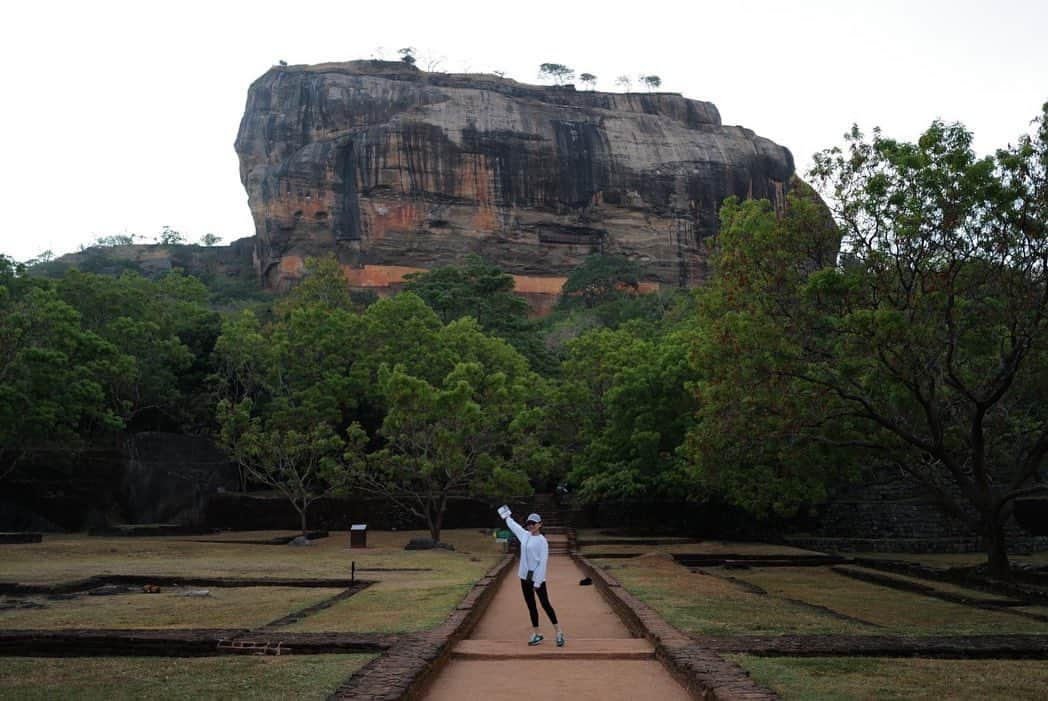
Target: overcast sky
(119, 117)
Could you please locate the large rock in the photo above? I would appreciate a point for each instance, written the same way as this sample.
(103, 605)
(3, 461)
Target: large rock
(168, 477)
(233, 262)
(396, 170)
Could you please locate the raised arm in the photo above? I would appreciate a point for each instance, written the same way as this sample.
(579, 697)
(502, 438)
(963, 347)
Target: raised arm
(518, 530)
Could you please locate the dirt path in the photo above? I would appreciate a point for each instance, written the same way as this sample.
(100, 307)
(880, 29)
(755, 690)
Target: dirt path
(601, 660)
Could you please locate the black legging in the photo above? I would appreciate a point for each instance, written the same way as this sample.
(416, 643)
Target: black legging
(530, 590)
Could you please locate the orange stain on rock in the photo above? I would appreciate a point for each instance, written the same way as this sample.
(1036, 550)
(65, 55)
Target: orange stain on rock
(485, 219)
(372, 276)
(531, 284)
(541, 293)
(385, 217)
(291, 266)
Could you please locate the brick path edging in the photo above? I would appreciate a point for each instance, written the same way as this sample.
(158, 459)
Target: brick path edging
(192, 642)
(137, 580)
(705, 674)
(1029, 646)
(406, 670)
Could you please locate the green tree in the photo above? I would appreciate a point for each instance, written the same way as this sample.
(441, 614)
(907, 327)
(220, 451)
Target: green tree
(485, 293)
(621, 412)
(926, 346)
(400, 330)
(407, 55)
(759, 439)
(303, 465)
(54, 374)
(291, 380)
(165, 326)
(324, 283)
(463, 434)
(557, 72)
(448, 408)
(475, 289)
(601, 279)
(589, 80)
(115, 240)
(170, 237)
(210, 240)
(652, 81)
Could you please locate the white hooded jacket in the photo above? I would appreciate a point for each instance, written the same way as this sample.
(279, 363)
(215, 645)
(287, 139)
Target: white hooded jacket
(534, 553)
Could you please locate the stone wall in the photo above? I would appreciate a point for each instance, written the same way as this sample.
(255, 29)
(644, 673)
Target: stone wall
(149, 477)
(889, 512)
(246, 512)
(705, 520)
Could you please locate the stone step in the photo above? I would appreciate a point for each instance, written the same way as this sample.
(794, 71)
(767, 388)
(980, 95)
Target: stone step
(574, 648)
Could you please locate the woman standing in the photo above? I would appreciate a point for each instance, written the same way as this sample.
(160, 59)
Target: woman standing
(534, 556)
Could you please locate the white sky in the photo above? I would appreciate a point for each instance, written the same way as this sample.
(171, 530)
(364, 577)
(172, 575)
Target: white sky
(119, 117)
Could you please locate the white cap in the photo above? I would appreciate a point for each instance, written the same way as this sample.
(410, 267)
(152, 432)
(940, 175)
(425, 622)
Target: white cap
(534, 517)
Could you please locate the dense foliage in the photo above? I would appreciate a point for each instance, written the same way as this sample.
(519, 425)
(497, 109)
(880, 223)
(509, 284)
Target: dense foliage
(924, 348)
(388, 400)
(87, 359)
(909, 329)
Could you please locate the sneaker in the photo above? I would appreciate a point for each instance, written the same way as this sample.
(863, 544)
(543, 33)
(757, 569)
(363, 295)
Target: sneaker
(536, 639)
(560, 640)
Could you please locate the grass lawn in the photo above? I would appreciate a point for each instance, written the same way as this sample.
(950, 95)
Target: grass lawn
(189, 678)
(400, 601)
(224, 607)
(61, 558)
(947, 560)
(704, 547)
(709, 604)
(389, 607)
(848, 678)
(894, 611)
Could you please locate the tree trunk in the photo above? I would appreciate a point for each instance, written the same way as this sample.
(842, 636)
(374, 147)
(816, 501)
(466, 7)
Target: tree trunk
(996, 549)
(435, 517)
(302, 518)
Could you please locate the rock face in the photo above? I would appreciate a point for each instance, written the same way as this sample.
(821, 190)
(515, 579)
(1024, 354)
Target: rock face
(396, 170)
(234, 262)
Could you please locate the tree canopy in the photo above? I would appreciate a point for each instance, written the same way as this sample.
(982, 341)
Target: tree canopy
(55, 375)
(482, 291)
(461, 433)
(909, 331)
(652, 81)
(558, 72)
(923, 348)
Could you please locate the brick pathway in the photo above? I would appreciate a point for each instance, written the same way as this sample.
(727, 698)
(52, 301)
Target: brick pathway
(618, 648)
(602, 659)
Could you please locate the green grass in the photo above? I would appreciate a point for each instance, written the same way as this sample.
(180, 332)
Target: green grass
(943, 587)
(232, 607)
(171, 678)
(894, 611)
(947, 560)
(70, 557)
(398, 602)
(709, 604)
(388, 608)
(704, 547)
(850, 678)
